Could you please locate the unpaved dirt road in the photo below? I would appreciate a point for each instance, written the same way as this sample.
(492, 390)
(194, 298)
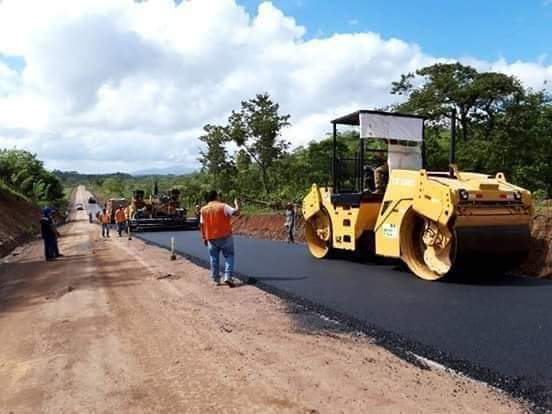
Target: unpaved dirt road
(114, 326)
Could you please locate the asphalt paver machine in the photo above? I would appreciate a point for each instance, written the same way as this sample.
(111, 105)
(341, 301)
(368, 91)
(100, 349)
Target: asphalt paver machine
(159, 213)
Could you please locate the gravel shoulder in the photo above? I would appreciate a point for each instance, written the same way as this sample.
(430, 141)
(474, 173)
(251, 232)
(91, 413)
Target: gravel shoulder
(115, 326)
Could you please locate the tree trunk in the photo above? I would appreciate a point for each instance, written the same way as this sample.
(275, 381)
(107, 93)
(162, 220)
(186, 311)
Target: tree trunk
(264, 180)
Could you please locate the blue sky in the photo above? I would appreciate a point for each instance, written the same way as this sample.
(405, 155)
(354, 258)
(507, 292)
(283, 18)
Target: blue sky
(484, 29)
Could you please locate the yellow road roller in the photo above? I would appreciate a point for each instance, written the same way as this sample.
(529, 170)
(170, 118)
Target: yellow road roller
(438, 223)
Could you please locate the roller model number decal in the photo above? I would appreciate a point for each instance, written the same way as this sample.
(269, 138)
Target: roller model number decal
(404, 182)
(389, 231)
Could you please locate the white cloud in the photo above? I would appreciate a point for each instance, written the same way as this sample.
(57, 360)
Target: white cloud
(116, 84)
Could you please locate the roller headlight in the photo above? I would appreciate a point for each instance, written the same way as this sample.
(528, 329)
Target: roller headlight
(517, 195)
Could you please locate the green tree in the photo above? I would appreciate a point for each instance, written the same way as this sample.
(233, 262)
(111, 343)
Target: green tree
(243, 160)
(509, 127)
(435, 90)
(215, 159)
(256, 129)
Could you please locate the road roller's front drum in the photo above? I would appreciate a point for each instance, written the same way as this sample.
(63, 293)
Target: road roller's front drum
(490, 249)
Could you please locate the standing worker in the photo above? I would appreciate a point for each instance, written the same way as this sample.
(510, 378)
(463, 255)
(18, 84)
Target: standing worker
(120, 219)
(128, 213)
(48, 234)
(56, 233)
(105, 219)
(197, 212)
(216, 231)
(290, 222)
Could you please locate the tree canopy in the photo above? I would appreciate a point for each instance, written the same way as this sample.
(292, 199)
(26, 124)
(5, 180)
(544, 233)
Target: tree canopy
(503, 126)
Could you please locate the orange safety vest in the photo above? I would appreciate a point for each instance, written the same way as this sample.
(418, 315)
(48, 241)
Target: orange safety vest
(215, 224)
(120, 216)
(105, 218)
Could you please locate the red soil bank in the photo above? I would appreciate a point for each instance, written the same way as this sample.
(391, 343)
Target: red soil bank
(18, 221)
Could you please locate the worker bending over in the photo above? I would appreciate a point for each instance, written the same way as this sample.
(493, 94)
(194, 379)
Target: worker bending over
(216, 231)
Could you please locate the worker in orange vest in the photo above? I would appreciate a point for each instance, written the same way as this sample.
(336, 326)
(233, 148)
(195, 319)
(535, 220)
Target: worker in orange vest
(216, 231)
(105, 220)
(120, 219)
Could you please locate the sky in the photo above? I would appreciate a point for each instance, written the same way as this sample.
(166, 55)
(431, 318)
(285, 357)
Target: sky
(118, 85)
(486, 29)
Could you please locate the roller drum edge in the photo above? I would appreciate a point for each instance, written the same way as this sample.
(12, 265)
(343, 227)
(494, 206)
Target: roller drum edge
(494, 249)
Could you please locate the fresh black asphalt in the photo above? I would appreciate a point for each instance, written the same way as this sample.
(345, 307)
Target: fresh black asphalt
(498, 330)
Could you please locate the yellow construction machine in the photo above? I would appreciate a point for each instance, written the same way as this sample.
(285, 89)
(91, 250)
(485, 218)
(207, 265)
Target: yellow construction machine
(438, 223)
(159, 212)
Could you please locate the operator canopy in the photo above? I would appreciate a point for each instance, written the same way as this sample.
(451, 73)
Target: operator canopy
(399, 130)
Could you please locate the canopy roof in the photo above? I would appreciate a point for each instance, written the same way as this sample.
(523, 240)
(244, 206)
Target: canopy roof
(354, 117)
(385, 125)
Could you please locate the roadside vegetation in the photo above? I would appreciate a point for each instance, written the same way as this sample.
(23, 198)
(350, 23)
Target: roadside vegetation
(23, 175)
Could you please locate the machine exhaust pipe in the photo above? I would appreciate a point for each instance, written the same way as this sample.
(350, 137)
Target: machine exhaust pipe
(452, 149)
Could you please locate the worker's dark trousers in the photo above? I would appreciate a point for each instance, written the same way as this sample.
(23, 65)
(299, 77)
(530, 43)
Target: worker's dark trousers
(49, 247)
(290, 233)
(55, 247)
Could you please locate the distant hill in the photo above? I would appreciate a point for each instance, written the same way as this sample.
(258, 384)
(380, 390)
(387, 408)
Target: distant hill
(174, 170)
(71, 178)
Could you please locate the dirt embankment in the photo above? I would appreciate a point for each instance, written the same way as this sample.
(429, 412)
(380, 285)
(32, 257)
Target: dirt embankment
(539, 263)
(18, 221)
(267, 226)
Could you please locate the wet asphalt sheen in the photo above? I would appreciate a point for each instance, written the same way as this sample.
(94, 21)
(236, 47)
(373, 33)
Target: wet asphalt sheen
(504, 326)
